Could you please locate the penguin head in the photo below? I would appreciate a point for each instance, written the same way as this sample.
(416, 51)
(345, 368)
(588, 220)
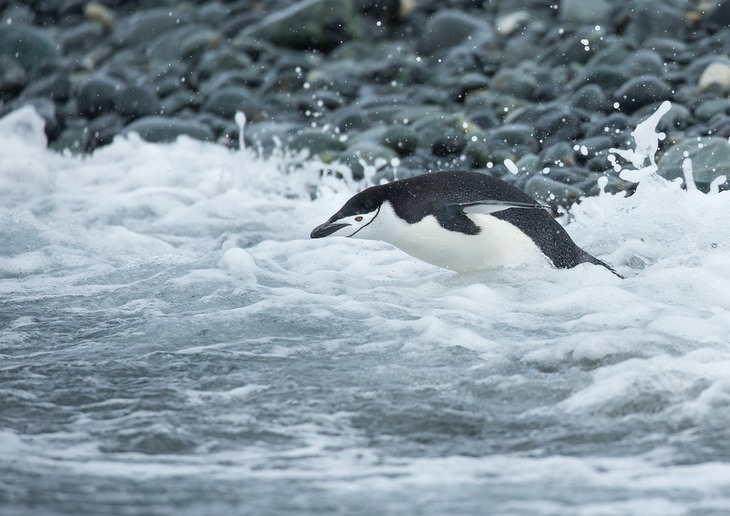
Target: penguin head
(357, 213)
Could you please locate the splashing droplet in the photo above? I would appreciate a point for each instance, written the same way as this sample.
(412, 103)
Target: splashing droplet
(240, 119)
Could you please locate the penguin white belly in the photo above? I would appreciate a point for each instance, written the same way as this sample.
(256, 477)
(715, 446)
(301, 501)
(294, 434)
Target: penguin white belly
(498, 244)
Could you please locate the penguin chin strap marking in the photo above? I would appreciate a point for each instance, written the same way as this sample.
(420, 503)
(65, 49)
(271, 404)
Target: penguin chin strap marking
(366, 225)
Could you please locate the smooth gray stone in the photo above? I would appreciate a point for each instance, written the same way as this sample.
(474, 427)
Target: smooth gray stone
(310, 25)
(710, 158)
(448, 28)
(29, 46)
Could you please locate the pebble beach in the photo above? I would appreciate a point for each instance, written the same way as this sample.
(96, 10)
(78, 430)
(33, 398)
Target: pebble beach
(535, 92)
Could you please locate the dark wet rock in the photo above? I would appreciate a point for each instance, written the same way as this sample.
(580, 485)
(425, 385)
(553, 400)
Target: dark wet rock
(144, 26)
(469, 82)
(515, 82)
(462, 59)
(560, 154)
(435, 124)
(164, 129)
(29, 46)
(610, 126)
(314, 104)
(528, 164)
(309, 25)
(590, 147)
(710, 158)
(342, 77)
(569, 175)
(228, 101)
(232, 26)
(81, 38)
(254, 48)
(18, 14)
(56, 86)
(590, 98)
(501, 104)
(522, 46)
(73, 139)
(448, 144)
(719, 16)
(484, 118)
(513, 134)
(448, 28)
(552, 192)
(183, 43)
(550, 85)
(213, 13)
(137, 102)
(401, 139)
(13, 78)
(711, 110)
(225, 129)
(670, 49)
(641, 20)
(585, 11)
(614, 53)
(477, 153)
(608, 77)
(391, 10)
(550, 124)
(328, 100)
(222, 59)
(350, 118)
(318, 143)
(98, 95)
(720, 128)
(640, 91)
(579, 47)
(644, 62)
(558, 125)
(103, 129)
(246, 78)
(598, 162)
(400, 69)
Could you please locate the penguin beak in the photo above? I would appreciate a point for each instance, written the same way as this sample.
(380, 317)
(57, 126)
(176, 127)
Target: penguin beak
(326, 229)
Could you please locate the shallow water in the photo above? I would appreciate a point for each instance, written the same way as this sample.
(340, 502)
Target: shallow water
(171, 342)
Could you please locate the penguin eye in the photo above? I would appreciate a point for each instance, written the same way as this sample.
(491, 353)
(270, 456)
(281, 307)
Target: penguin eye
(368, 204)
(358, 218)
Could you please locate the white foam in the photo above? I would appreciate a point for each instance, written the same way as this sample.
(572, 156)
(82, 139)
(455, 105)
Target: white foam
(222, 237)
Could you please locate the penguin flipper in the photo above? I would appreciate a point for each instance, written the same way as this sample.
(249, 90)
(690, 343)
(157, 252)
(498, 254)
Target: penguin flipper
(487, 207)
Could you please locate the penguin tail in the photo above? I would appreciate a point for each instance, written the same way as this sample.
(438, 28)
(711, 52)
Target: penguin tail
(592, 259)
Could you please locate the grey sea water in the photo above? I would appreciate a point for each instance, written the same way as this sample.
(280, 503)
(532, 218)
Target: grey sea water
(172, 343)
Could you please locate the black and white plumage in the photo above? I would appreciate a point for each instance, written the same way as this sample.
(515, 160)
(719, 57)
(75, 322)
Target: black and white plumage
(463, 221)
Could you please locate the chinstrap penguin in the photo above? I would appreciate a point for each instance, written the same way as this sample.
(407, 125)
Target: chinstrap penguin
(462, 221)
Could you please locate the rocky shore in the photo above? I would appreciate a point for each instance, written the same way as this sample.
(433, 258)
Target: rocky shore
(404, 85)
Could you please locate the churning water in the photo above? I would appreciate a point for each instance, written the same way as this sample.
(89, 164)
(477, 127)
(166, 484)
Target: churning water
(171, 342)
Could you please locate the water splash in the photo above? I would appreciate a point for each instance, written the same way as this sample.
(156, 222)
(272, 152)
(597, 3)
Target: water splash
(296, 174)
(647, 144)
(240, 119)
